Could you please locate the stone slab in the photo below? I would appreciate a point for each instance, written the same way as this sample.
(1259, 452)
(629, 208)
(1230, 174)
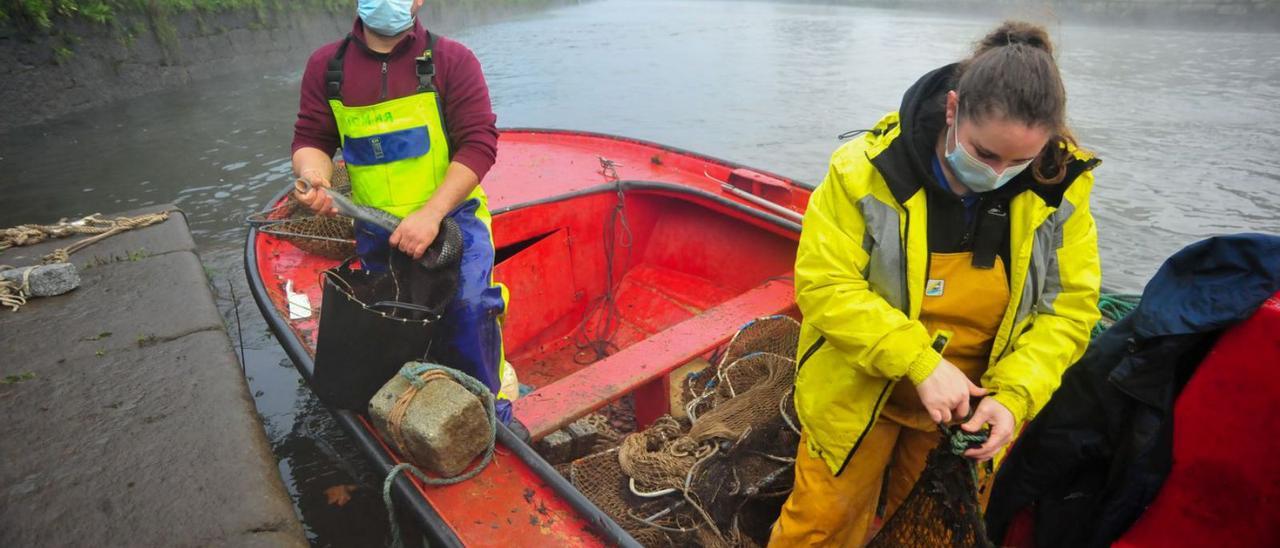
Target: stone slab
(118, 305)
(141, 446)
(128, 421)
(169, 236)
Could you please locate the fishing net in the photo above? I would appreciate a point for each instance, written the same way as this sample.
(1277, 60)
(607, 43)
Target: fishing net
(718, 478)
(942, 508)
(331, 237)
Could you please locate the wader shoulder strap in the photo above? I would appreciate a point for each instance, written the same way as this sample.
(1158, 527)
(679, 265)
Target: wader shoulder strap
(333, 73)
(989, 232)
(426, 66)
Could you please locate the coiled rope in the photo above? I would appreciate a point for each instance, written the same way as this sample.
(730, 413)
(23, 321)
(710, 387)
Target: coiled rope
(13, 294)
(419, 374)
(1114, 307)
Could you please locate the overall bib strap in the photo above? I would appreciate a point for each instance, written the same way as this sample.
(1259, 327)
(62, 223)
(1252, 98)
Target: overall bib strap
(333, 74)
(990, 232)
(426, 67)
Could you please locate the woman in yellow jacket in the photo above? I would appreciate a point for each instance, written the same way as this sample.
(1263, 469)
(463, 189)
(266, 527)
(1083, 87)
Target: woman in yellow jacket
(949, 254)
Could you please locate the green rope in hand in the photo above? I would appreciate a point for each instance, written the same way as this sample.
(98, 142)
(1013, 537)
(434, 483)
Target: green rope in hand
(962, 441)
(413, 372)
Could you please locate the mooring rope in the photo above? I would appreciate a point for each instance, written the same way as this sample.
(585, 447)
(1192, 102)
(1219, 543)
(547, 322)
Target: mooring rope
(14, 295)
(418, 374)
(23, 235)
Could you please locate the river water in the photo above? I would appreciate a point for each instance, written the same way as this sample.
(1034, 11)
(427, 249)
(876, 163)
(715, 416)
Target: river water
(1187, 123)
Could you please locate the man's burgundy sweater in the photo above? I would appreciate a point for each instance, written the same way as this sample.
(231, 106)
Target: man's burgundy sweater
(472, 129)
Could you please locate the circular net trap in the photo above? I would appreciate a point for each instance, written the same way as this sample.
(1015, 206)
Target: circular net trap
(719, 477)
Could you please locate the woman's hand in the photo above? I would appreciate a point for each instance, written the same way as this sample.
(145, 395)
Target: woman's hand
(316, 198)
(991, 412)
(416, 232)
(947, 390)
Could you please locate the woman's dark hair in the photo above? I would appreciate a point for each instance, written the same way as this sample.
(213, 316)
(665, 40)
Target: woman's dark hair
(1012, 74)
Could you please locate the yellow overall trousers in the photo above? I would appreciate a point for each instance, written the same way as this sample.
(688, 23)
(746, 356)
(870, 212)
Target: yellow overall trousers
(829, 510)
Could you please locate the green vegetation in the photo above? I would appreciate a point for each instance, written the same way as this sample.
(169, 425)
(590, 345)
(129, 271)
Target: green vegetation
(41, 13)
(19, 378)
(61, 55)
(128, 20)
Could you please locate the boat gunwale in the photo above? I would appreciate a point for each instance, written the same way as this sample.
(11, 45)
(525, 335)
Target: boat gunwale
(805, 185)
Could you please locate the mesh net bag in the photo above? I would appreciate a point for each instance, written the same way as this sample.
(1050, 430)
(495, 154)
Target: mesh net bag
(719, 478)
(331, 237)
(942, 508)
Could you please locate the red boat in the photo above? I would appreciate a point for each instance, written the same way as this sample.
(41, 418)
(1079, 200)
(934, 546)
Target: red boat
(667, 251)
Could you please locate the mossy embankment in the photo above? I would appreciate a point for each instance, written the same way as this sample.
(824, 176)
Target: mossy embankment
(60, 56)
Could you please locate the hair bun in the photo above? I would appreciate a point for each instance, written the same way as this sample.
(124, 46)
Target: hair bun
(1016, 32)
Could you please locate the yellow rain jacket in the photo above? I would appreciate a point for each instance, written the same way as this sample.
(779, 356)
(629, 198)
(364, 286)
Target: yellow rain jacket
(860, 274)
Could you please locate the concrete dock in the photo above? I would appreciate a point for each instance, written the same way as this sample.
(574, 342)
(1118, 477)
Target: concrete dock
(126, 417)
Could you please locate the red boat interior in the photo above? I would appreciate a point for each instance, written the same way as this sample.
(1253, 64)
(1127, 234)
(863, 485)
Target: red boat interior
(690, 257)
(669, 258)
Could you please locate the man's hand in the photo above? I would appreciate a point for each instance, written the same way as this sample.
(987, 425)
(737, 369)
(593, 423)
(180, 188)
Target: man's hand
(1000, 418)
(416, 232)
(947, 390)
(316, 198)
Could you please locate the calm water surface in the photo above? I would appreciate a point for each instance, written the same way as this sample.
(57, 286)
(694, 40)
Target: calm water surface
(1187, 122)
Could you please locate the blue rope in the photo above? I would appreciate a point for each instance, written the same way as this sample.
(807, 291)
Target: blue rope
(413, 372)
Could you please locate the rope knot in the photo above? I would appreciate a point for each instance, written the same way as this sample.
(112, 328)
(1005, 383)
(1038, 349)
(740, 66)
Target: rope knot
(962, 441)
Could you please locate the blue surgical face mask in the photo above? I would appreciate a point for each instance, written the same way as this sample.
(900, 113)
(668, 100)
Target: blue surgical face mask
(974, 173)
(386, 17)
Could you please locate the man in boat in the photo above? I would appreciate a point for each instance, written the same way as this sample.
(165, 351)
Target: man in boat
(411, 111)
(949, 254)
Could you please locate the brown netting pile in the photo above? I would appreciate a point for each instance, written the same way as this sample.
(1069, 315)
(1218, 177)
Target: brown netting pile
(942, 508)
(720, 477)
(331, 237)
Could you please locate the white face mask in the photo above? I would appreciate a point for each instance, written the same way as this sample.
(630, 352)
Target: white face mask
(974, 173)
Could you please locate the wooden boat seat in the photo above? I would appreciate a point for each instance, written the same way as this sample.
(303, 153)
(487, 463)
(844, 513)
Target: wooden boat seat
(647, 362)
